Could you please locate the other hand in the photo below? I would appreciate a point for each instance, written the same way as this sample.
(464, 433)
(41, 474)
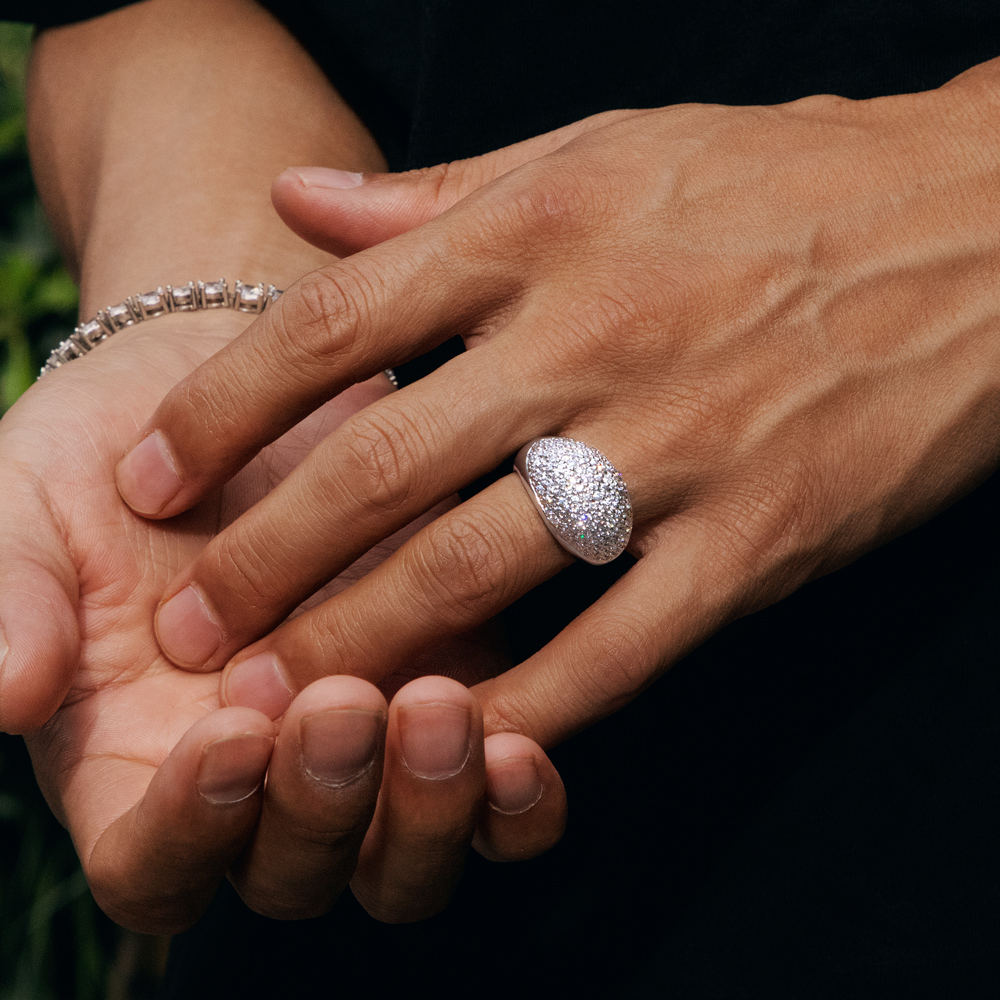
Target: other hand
(780, 323)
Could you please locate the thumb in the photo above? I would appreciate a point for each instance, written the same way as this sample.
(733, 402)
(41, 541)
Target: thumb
(39, 636)
(344, 212)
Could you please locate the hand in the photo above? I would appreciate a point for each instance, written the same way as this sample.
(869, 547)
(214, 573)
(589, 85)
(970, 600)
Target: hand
(160, 788)
(778, 322)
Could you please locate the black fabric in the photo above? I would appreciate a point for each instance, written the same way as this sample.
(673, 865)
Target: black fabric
(806, 807)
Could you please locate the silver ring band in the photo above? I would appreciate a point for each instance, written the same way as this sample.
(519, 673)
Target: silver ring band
(581, 496)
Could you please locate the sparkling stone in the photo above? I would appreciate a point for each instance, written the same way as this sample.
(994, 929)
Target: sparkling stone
(120, 315)
(183, 297)
(582, 496)
(67, 351)
(214, 294)
(91, 333)
(153, 303)
(251, 296)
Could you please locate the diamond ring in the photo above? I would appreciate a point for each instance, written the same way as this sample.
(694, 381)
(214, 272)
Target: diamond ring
(581, 496)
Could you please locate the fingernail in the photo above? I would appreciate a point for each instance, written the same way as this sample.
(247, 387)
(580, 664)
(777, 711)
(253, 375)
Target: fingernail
(325, 177)
(513, 786)
(259, 682)
(188, 632)
(339, 745)
(147, 475)
(233, 768)
(434, 739)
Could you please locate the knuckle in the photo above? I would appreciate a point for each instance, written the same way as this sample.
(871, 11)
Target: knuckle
(324, 321)
(616, 665)
(549, 203)
(770, 540)
(289, 902)
(504, 711)
(243, 560)
(119, 896)
(463, 562)
(821, 104)
(330, 642)
(438, 832)
(399, 905)
(380, 460)
(553, 201)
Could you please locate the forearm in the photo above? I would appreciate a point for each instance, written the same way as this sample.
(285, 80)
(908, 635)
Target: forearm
(155, 134)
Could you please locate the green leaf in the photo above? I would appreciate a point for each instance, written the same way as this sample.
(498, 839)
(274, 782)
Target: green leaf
(19, 272)
(19, 372)
(54, 293)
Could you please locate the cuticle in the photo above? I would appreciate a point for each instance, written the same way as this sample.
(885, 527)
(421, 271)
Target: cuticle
(327, 783)
(441, 777)
(518, 812)
(231, 802)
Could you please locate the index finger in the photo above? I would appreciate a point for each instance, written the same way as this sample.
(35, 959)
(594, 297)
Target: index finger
(336, 326)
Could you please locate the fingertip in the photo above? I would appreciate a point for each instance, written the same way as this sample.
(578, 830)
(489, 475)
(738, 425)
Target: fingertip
(433, 687)
(343, 212)
(156, 868)
(526, 805)
(39, 647)
(316, 214)
(147, 477)
(233, 767)
(513, 785)
(259, 682)
(213, 742)
(340, 691)
(188, 629)
(438, 728)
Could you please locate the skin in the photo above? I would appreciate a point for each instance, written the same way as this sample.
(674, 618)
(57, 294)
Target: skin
(159, 784)
(781, 323)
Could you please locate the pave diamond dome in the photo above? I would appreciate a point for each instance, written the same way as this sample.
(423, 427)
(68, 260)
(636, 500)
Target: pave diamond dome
(581, 495)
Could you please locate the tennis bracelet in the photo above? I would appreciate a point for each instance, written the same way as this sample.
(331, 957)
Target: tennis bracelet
(136, 308)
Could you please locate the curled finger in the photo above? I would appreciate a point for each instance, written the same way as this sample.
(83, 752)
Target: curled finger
(525, 810)
(455, 574)
(156, 868)
(322, 785)
(432, 793)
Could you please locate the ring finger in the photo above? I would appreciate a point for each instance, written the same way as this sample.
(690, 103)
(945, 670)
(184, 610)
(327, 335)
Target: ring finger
(458, 572)
(368, 479)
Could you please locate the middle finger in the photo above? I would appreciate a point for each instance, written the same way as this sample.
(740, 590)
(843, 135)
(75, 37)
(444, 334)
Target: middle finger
(381, 469)
(455, 574)
(322, 786)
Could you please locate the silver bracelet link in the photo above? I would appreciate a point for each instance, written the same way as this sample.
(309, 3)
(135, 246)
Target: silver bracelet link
(137, 308)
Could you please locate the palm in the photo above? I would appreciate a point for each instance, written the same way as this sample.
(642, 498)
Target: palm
(127, 705)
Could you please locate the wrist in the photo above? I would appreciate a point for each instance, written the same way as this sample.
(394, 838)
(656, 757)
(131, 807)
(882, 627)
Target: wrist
(196, 335)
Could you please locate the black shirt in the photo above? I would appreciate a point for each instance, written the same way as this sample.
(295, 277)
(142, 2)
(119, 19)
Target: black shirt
(806, 806)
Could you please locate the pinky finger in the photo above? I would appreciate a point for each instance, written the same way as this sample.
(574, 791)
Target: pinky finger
(525, 811)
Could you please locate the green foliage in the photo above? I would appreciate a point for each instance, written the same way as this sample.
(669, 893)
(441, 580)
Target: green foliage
(37, 298)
